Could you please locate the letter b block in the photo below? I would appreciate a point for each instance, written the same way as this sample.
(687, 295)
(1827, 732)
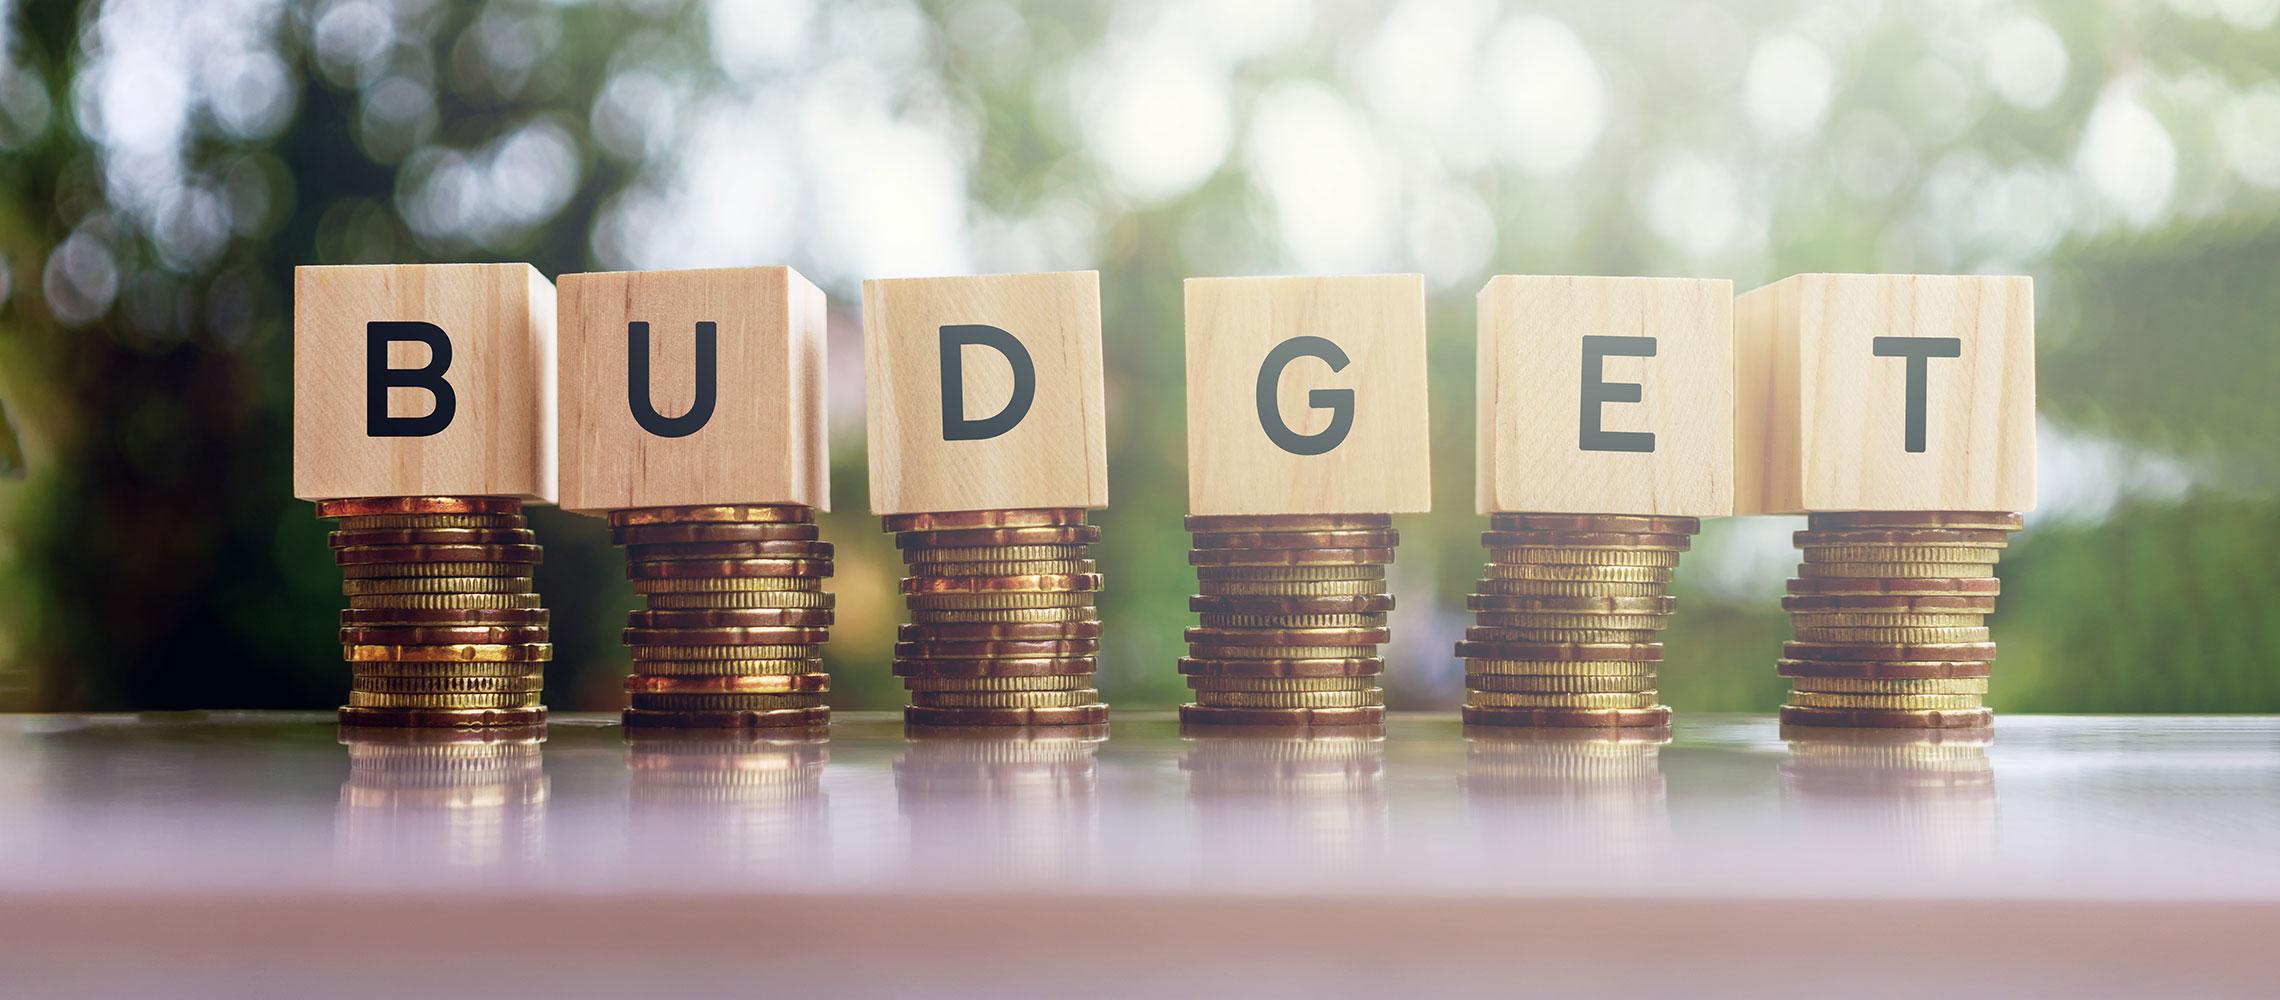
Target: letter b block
(985, 392)
(1606, 396)
(1307, 396)
(692, 387)
(413, 380)
(1886, 392)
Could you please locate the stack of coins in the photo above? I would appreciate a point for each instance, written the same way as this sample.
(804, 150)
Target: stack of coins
(442, 626)
(1291, 615)
(1564, 625)
(735, 615)
(1003, 627)
(1890, 609)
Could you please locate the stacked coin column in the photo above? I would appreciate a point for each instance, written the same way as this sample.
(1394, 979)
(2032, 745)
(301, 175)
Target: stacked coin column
(1003, 626)
(1292, 610)
(1566, 619)
(1890, 614)
(735, 619)
(443, 627)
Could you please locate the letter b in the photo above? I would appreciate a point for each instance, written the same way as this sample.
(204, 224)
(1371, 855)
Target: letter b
(379, 378)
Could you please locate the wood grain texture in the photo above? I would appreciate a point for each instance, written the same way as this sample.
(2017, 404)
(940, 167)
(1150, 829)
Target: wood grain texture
(765, 440)
(1056, 455)
(1533, 451)
(1823, 418)
(501, 439)
(1382, 464)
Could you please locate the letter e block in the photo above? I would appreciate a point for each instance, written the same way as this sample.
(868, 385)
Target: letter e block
(1606, 396)
(423, 380)
(985, 392)
(692, 387)
(1307, 396)
(1886, 392)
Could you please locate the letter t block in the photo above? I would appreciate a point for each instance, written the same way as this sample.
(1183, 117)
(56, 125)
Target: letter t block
(985, 393)
(1886, 392)
(380, 411)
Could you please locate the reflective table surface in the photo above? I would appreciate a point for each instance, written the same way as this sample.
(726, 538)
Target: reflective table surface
(263, 854)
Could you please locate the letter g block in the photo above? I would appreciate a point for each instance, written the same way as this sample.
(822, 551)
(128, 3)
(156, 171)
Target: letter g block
(693, 387)
(1306, 395)
(413, 380)
(985, 392)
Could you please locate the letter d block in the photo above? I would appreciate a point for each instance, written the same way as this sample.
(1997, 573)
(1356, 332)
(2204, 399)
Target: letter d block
(1886, 392)
(1606, 396)
(423, 380)
(692, 387)
(985, 392)
(1307, 396)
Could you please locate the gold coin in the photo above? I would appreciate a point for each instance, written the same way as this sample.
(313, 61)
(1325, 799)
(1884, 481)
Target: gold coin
(1030, 583)
(1564, 668)
(1654, 558)
(1292, 699)
(1573, 573)
(441, 668)
(979, 602)
(1203, 652)
(1005, 699)
(1572, 684)
(728, 584)
(1007, 616)
(1376, 620)
(1886, 702)
(1291, 588)
(741, 599)
(1518, 699)
(402, 570)
(729, 668)
(1902, 553)
(1066, 567)
(1560, 636)
(1062, 682)
(785, 651)
(1544, 619)
(375, 699)
(1891, 635)
(443, 602)
(1895, 571)
(998, 554)
(1266, 684)
(374, 684)
(723, 702)
(1866, 685)
(1870, 619)
(386, 522)
(463, 652)
(1568, 588)
(438, 585)
(1257, 574)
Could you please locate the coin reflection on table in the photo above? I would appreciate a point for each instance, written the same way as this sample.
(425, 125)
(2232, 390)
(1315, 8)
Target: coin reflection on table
(1582, 797)
(736, 799)
(1927, 794)
(460, 798)
(1309, 796)
(1002, 801)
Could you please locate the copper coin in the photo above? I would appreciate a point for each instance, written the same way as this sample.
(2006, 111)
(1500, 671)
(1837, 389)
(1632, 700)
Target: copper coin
(1019, 584)
(369, 617)
(423, 634)
(1604, 718)
(1661, 605)
(1288, 636)
(1075, 715)
(442, 718)
(982, 631)
(1977, 585)
(1289, 557)
(1998, 520)
(1287, 522)
(1560, 651)
(683, 534)
(368, 554)
(740, 684)
(1889, 670)
(975, 538)
(959, 520)
(720, 569)
(1870, 718)
(458, 652)
(1037, 666)
(367, 506)
(1890, 603)
(730, 618)
(1584, 540)
(750, 635)
(432, 536)
(1366, 715)
(1384, 539)
(996, 648)
(1888, 651)
(1360, 666)
(1353, 604)
(1597, 523)
(790, 513)
(781, 549)
(1895, 571)
(1810, 538)
(775, 718)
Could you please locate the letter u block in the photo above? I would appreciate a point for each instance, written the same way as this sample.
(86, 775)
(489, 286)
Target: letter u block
(693, 387)
(414, 380)
(1606, 396)
(985, 392)
(1307, 395)
(1886, 392)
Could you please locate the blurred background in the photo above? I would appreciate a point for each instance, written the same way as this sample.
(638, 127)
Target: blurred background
(164, 164)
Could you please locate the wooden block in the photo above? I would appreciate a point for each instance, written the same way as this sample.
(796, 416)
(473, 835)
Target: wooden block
(1886, 392)
(1606, 396)
(726, 404)
(985, 392)
(1307, 395)
(379, 411)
